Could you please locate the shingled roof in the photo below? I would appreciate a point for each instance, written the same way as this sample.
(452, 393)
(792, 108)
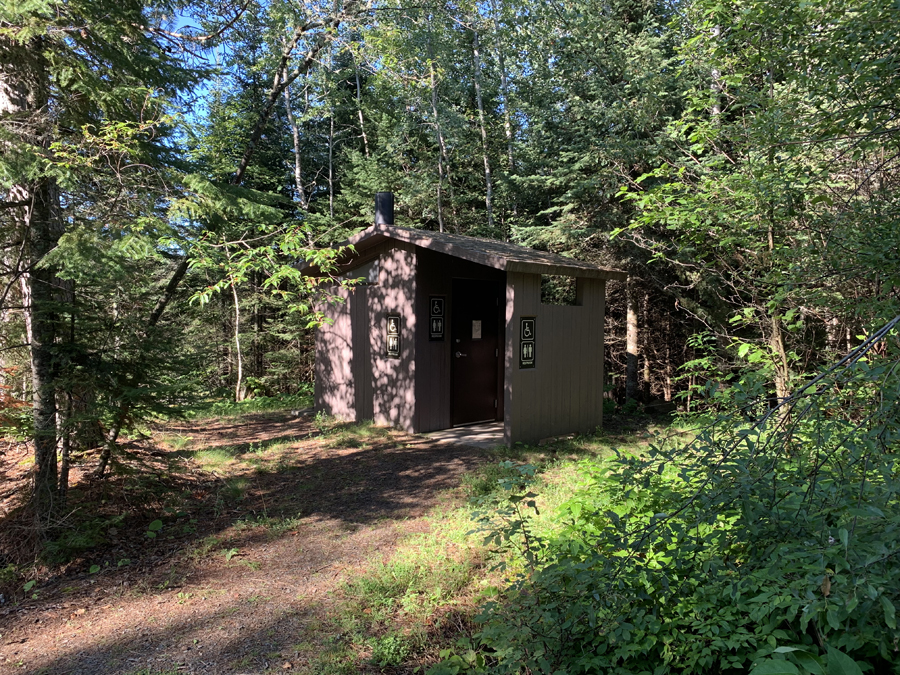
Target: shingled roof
(489, 252)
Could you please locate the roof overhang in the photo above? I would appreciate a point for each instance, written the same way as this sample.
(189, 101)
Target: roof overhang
(488, 252)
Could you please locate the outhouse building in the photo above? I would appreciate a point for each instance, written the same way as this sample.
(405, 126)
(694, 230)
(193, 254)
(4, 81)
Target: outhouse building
(445, 330)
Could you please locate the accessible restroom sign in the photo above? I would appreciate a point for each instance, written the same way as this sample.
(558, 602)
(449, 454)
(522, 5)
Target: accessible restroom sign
(393, 336)
(526, 341)
(436, 318)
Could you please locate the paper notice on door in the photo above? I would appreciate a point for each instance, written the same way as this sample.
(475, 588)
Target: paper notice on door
(476, 329)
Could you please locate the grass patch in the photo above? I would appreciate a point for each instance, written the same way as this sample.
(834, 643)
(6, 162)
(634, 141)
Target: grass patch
(257, 404)
(402, 611)
(215, 459)
(350, 434)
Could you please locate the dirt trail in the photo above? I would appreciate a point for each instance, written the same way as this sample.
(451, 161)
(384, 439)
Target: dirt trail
(263, 608)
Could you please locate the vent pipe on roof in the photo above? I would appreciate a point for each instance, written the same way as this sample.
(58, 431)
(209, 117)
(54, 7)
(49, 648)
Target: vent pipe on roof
(384, 208)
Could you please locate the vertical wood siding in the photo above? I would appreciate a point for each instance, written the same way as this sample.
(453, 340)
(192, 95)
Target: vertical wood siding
(355, 380)
(337, 358)
(563, 393)
(393, 380)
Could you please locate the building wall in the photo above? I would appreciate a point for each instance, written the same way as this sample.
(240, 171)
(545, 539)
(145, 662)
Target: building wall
(339, 363)
(393, 380)
(434, 275)
(563, 393)
(355, 380)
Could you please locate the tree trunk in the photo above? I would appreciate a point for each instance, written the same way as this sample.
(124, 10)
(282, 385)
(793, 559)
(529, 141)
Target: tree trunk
(440, 138)
(833, 334)
(507, 117)
(488, 198)
(65, 450)
(24, 94)
(667, 388)
(444, 157)
(298, 166)
(631, 342)
(331, 164)
(284, 77)
(645, 334)
(359, 112)
(782, 366)
(112, 435)
(238, 387)
(715, 85)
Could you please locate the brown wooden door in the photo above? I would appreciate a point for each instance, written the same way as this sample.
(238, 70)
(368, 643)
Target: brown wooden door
(474, 343)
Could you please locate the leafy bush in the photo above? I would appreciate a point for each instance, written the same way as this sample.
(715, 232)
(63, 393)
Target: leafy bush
(390, 650)
(769, 545)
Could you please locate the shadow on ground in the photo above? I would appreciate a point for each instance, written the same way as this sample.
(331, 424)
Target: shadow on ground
(345, 499)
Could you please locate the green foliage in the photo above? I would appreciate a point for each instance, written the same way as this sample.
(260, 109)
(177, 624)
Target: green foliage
(390, 650)
(768, 545)
(490, 478)
(226, 408)
(154, 528)
(84, 535)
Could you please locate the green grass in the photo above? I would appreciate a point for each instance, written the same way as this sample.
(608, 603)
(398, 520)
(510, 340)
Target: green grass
(406, 608)
(219, 408)
(215, 459)
(398, 608)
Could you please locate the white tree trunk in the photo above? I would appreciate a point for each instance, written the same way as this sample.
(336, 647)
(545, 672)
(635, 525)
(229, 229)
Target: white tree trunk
(488, 196)
(239, 385)
(631, 342)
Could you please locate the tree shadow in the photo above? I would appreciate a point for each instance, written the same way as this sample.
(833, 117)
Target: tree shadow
(334, 496)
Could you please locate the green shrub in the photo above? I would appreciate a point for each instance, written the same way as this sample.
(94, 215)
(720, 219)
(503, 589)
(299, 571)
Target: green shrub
(390, 650)
(770, 547)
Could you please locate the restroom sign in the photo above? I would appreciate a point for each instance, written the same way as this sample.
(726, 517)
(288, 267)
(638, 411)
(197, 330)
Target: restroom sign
(526, 342)
(436, 318)
(393, 336)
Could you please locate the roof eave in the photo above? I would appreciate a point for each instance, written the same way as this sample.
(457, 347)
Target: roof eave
(376, 234)
(565, 270)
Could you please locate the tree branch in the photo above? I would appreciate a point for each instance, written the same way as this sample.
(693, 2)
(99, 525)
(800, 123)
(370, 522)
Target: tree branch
(283, 79)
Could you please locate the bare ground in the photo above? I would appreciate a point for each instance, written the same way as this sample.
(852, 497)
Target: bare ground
(220, 589)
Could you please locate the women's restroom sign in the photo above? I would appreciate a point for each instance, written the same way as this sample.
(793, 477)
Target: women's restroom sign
(393, 336)
(436, 318)
(526, 342)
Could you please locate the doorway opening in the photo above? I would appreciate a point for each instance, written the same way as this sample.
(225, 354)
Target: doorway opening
(475, 351)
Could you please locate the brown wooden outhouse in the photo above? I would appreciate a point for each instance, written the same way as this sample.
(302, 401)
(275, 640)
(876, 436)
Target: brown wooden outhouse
(449, 330)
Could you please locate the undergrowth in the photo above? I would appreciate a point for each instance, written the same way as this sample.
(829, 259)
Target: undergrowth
(257, 404)
(763, 546)
(402, 612)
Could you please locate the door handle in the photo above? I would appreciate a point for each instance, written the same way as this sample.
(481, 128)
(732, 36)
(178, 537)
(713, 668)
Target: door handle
(458, 354)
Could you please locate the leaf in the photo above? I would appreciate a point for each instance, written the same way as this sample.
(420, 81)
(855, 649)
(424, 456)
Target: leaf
(890, 614)
(841, 664)
(94, 569)
(812, 664)
(155, 526)
(29, 585)
(773, 667)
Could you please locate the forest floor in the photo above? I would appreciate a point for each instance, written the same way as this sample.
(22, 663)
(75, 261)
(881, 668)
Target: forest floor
(269, 542)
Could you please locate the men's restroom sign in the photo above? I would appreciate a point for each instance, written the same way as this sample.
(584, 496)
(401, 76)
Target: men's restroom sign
(436, 318)
(526, 342)
(393, 336)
